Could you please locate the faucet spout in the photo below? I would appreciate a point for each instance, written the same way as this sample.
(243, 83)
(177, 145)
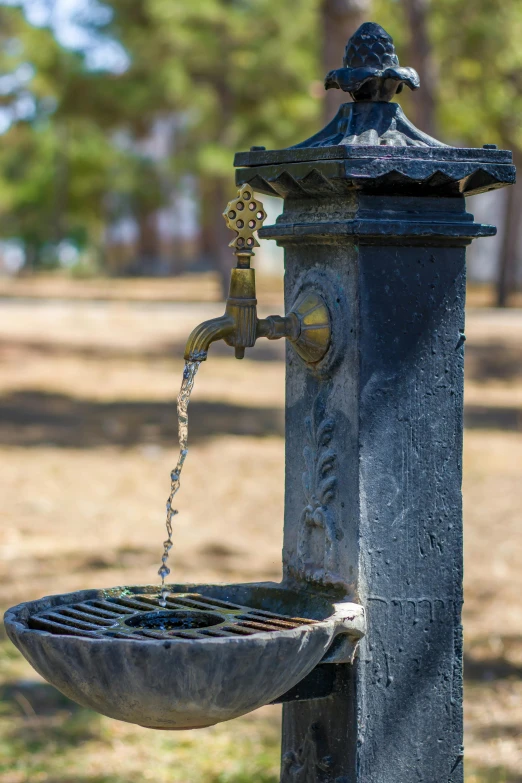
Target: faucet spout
(205, 334)
(307, 325)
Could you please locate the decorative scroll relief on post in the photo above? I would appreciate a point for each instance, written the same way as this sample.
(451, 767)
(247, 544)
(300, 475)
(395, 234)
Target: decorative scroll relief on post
(309, 764)
(318, 528)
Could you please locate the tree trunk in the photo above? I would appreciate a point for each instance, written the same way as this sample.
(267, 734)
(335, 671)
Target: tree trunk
(340, 19)
(32, 253)
(507, 272)
(215, 236)
(61, 184)
(148, 260)
(420, 57)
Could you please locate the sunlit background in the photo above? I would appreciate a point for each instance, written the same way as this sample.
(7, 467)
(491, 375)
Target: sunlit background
(118, 126)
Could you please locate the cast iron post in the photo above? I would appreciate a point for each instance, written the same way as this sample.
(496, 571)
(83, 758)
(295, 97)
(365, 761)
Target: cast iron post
(374, 218)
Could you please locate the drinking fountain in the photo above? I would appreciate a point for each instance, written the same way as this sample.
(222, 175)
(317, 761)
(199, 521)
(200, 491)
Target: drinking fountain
(199, 654)
(374, 228)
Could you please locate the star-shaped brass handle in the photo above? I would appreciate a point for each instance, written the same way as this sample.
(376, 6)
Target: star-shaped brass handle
(245, 215)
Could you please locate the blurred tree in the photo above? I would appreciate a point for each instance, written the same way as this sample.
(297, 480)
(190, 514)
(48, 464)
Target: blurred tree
(340, 19)
(481, 70)
(34, 165)
(232, 73)
(235, 73)
(474, 79)
(238, 73)
(420, 56)
(59, 158)
(33, 168)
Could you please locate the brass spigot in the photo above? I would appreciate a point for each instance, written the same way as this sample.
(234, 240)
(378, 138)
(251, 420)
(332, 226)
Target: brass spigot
(307, 326)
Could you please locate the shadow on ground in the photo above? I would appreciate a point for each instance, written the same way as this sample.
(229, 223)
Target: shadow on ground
(490, 669)
(499, 361)
(483, 417)
(34, 418)
(39, 715)
(493, 361)
(32, 698)
(480, 665)
(264, 350)
(212, 555)
(491, 775)
(40, 728)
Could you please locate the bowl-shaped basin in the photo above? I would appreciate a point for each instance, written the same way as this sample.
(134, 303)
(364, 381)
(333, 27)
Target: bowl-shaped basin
(214, 653)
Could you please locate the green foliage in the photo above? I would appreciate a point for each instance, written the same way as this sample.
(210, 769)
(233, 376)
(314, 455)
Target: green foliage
(478, 59)
(234, 73)
(53, 167)
(238, 73)
(480, 62)
(46, 737)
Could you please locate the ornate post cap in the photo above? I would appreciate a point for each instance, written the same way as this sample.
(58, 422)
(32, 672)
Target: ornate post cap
(370, 145)
(371, 74)
(371, 70)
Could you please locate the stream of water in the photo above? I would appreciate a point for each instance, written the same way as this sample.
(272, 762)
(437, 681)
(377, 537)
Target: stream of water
(189, 374)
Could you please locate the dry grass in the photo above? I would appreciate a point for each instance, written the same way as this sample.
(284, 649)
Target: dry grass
(86, 444)
(188, 287)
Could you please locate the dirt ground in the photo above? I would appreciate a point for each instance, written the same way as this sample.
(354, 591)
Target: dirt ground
(87, 441)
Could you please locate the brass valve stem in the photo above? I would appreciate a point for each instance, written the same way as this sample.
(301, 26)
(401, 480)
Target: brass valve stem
(243, 260)
(242, 309)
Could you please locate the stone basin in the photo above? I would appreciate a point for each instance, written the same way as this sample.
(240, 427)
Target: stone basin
(215, 652)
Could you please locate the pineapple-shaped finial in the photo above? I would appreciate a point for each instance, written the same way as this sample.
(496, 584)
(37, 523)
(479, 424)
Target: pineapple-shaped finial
(372, 47)
(371, 69)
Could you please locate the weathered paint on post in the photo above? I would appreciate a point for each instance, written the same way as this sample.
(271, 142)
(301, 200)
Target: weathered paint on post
(374, 219)
(395, 406)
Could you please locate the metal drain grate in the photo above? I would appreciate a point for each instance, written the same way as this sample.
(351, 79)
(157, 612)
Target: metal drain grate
(141, 617)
